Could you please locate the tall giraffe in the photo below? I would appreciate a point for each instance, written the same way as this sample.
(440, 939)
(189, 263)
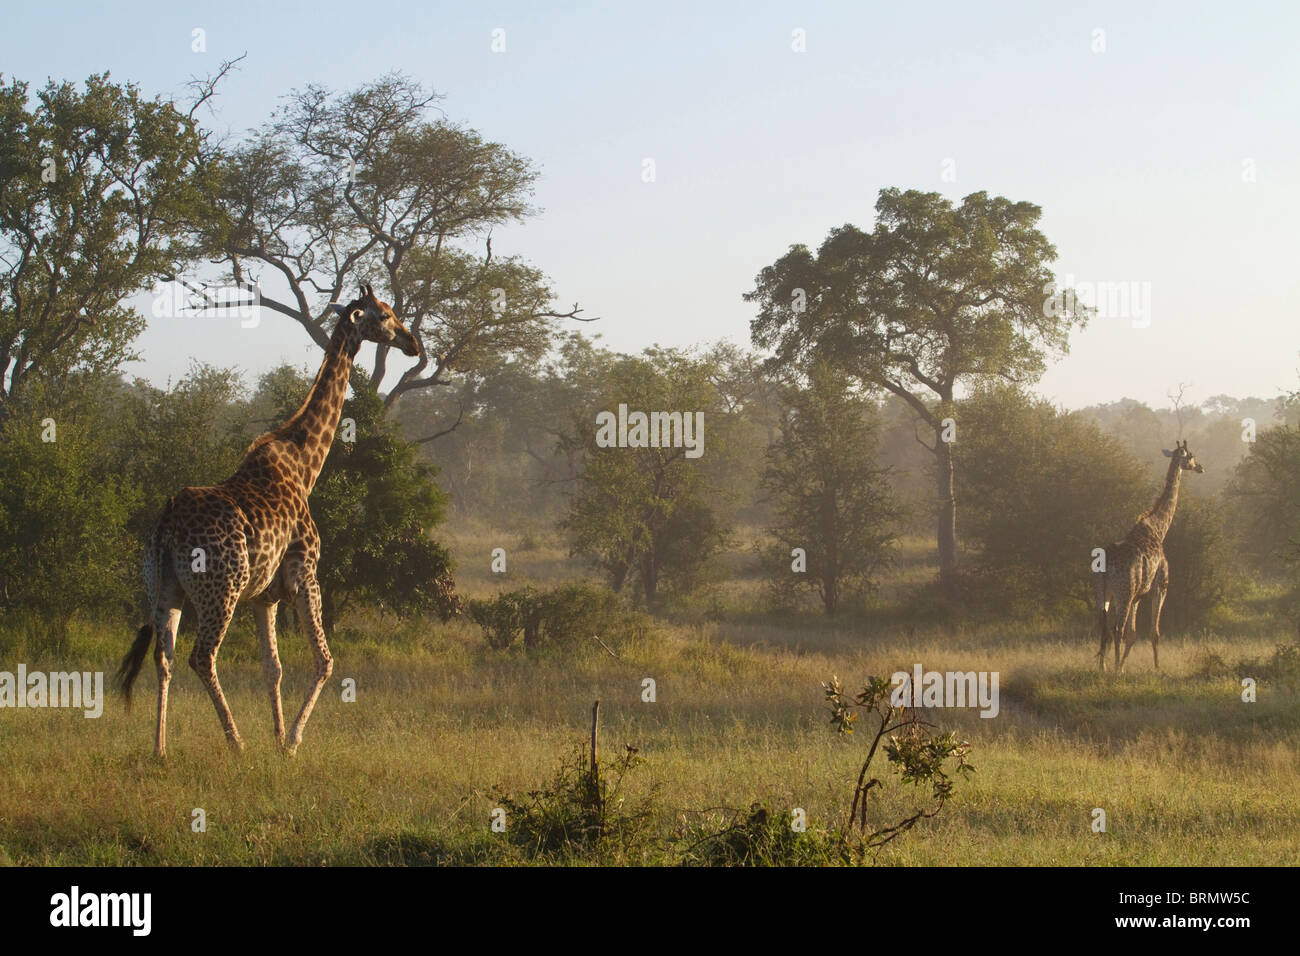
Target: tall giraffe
(252, 538)
(1136, 567)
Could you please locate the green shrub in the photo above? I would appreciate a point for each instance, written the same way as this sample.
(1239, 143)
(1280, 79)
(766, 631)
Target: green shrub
(1038, 489)
(757, 837)
(1285, 665)
(1201, 565)
(65, 544)
(929, 762)
(562, 617)
(830, 500)
(581, 812)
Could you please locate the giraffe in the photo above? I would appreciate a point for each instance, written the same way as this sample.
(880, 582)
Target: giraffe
(251, 539)
(1136, 567)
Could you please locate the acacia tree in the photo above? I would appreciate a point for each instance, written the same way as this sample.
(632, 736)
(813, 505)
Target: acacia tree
(100, 191)
(365, 186)
(936, 295)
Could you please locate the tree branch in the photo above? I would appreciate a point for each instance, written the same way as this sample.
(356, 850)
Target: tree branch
(446, 431)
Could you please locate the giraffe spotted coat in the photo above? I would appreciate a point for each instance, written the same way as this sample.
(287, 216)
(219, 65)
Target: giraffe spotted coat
(251, 538)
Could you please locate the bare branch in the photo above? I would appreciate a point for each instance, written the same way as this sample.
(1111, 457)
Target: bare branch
(206, 88)
(446, 431)
(932, 449)
(1177, 400)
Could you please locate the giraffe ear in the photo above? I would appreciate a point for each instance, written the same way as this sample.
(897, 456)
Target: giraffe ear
(1167, 453)
(344, 315)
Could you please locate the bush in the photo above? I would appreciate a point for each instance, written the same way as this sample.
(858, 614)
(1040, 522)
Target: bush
(757, 837)
(645, 515)
(580, 812)
(1265, 496)
(65, 544)
(1282, 668)
(829, 498)
(930, 763)
(1201, 567)
(1037, 491)
(562, 617)
(1285, 665)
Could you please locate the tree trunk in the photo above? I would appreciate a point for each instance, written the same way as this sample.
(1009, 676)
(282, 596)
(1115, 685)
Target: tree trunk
(947, 517)
(650, 576)
(617, 576)
(619, 571)
(328, 614)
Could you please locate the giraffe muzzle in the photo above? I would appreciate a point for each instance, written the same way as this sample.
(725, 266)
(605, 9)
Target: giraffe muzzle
(407, 343)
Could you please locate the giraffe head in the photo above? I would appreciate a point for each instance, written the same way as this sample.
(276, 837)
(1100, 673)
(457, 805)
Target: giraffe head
(371, 320)
(1186, 460)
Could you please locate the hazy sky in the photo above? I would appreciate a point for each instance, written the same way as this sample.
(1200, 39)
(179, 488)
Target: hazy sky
(1170, 160)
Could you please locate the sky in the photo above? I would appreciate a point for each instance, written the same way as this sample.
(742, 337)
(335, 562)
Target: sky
(1161, 141)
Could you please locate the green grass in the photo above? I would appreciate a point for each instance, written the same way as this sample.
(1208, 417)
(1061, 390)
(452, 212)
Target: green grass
(1186, 772)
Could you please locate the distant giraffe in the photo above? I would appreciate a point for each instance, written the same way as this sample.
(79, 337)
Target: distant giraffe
(1136, 567)
(252, 538)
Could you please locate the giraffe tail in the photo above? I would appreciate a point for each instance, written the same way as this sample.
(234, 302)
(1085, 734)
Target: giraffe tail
(129, 669)
(155, 557)
(1103, 606)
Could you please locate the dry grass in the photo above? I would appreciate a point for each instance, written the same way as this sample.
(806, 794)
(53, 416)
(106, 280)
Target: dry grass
(1187, 773)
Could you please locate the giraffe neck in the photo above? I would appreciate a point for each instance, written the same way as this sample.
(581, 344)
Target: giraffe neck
(311, 429)
(1161, 515)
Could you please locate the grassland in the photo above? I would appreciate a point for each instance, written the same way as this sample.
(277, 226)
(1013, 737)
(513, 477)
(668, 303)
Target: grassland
(1188, 774)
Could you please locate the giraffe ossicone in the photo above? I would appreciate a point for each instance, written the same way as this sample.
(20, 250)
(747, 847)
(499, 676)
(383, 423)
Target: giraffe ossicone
(258, 539)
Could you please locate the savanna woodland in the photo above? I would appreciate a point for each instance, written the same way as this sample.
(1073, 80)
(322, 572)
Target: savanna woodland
(877, 484)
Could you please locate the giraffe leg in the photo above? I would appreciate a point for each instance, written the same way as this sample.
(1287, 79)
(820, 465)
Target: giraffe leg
(165, 622)
(1104, 617)
(264, 616)
(1125, 609)
(213, 621)
(1157, 604)
(308, 600)
(1130, 633)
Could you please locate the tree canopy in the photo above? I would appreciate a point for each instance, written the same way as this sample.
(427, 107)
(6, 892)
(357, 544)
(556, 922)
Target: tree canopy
(367, 186)
(101, 190)
(934, 296)
(832, 499)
